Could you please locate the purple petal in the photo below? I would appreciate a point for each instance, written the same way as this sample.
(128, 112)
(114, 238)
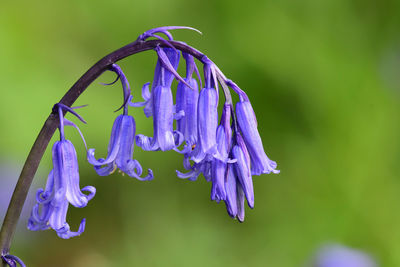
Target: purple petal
(218, 180)
(163, 117)
(231, 192)
(192, 175)
(12, 260)
(207, 119)
(113, 146)
(91, 190)
(58, 170)
(58, 217)
(186, 101)
(226, 122)
(242, 168)
(71, 175)
(44, 196)
(146, 143)
(146, 96)
(126, 144)
(105, 170)
(70, 123)
(38, 220)
(65, 232)
(260, 163)
(240, 203)
(135, 170)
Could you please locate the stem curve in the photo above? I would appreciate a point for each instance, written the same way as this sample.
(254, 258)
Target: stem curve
(36, 153)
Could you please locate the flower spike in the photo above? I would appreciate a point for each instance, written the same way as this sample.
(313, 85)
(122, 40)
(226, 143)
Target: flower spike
(226, 150)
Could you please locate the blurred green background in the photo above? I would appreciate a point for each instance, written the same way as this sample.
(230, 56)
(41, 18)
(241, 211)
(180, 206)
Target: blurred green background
(323, 80)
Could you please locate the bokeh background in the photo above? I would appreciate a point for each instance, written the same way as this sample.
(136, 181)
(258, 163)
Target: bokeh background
(323, 78)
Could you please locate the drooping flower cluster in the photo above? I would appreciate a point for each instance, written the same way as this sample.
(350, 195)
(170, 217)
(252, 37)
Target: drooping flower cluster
(228, 153)
(226, 150)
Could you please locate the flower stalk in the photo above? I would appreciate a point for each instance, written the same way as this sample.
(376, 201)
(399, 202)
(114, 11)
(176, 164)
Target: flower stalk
(227, 154)
(52, 122)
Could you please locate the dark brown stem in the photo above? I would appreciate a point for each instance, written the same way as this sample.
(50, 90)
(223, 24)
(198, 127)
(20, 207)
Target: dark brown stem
(51, 124)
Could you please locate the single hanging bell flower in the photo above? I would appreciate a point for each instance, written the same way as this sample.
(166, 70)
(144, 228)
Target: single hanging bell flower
(242, 168)
(121, 146)
(120, 151)
(62, 187)
(186, 106)
(260, 163)
(161, 103)
(219, 167)
(207, 120)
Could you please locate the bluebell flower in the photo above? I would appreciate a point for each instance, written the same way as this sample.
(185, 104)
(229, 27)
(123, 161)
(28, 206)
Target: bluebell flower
(186, 106)
(159, 103)
(120, 151)
(121, 146)
(204, 167)
(62, 187)
(231, 195)
(238, 182)
(341, 256)
(206, 147)
(260, 163)
(219, 167)
(242, 168)
(235, 197)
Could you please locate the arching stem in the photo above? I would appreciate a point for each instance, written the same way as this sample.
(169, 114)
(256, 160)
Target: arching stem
(52, 122)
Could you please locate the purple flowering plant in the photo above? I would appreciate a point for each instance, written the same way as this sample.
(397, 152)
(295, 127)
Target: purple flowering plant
(227, 150)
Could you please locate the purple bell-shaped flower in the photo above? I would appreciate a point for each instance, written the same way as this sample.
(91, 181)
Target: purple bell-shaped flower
(62, 187)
